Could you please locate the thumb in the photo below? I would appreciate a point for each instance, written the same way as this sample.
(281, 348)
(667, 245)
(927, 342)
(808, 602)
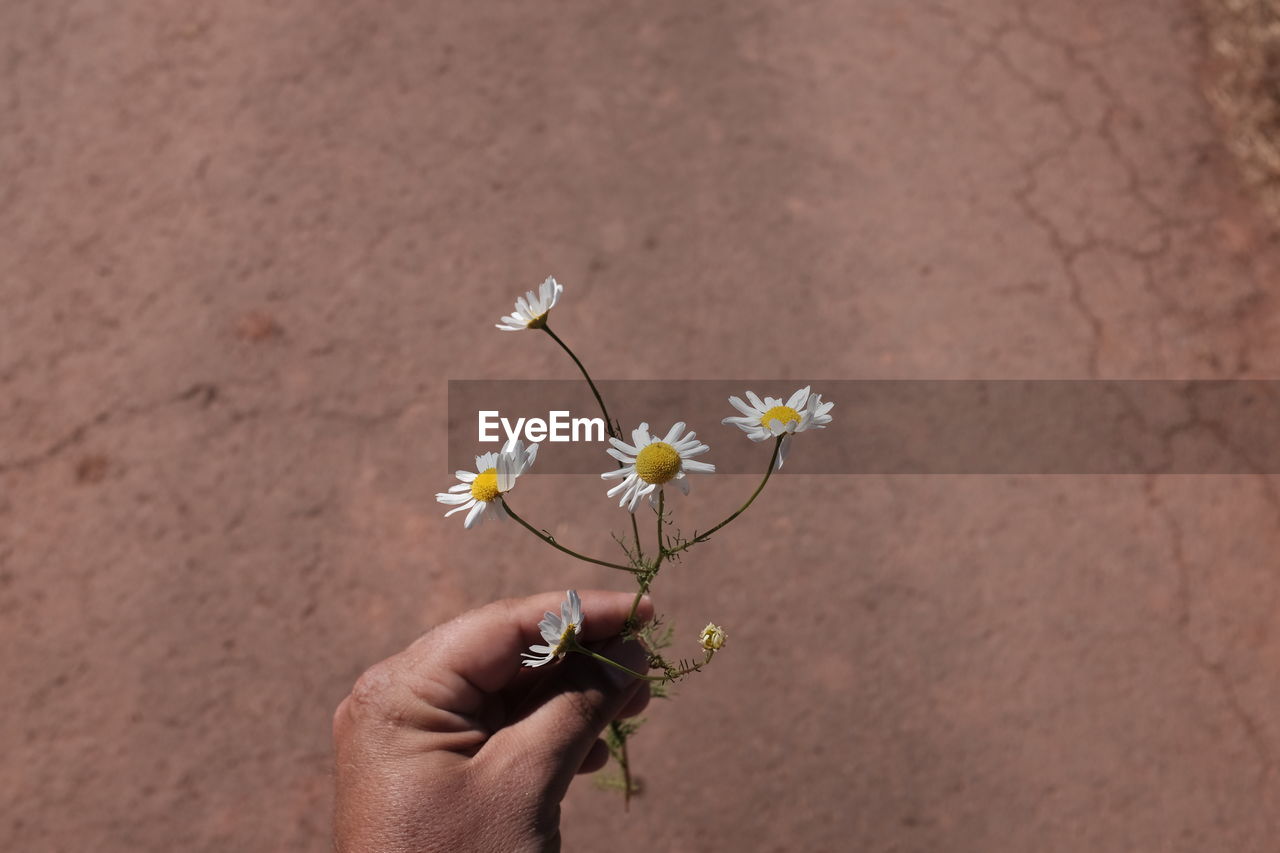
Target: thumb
(582, 696)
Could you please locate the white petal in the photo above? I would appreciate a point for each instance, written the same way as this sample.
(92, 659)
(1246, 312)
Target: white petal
(474, 517)
(799, 399)
(506, 472)
(623, 446)
(631, 478)
(470, 503)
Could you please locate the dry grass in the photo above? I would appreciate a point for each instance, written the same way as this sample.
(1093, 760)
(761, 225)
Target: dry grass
(1244, 84)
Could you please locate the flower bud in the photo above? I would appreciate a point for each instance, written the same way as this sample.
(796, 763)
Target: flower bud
(712, 637)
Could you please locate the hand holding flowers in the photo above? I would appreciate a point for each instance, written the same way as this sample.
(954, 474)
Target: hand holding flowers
(644, 467)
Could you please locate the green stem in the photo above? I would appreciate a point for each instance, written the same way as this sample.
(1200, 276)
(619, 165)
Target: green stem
(635, 531)
(644, 582)
(554, 544)
(608, 422)
(645, 578)
(624, 762)
(613, 663)
(662, 508)
(777, 445)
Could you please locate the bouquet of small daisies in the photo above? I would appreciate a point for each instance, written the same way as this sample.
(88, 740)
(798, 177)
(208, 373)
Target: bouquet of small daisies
(643, 468)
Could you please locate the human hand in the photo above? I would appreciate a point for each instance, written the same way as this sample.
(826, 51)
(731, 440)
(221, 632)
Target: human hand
(453, 745)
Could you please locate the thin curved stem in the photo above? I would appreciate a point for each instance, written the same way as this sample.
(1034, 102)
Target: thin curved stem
(635, 531)
(554, 544)
(645, 579)
(628, 670)
(777, 446)
(608, 422)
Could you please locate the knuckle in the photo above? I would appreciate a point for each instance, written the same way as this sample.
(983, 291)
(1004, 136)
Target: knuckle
(376, 694)
(341, 716)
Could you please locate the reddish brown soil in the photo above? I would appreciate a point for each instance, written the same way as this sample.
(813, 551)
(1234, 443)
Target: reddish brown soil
(244, 245)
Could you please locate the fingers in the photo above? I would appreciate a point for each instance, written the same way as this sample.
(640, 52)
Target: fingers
(596, 759)
(598, 756)
(638, 701)
(557, 736)
(448, 672)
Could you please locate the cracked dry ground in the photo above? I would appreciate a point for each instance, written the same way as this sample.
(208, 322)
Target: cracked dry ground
(243, 246)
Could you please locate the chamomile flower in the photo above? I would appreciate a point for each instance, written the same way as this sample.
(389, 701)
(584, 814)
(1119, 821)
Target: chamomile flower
(532, 309)
(712, 637)
(559, 632)
(649, 463)
(495, 475)
(770, 417)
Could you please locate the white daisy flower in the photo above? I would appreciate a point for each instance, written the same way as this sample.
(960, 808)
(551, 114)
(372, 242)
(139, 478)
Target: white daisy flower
(495, 475)
(560, 632)
(770, 417)
(532, 309)
(649, 463)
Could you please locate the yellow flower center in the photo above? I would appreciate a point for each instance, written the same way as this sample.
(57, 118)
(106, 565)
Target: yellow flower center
(539, 322)
(485, 486)
(786, 414)
(658, 463)
(566, 638)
